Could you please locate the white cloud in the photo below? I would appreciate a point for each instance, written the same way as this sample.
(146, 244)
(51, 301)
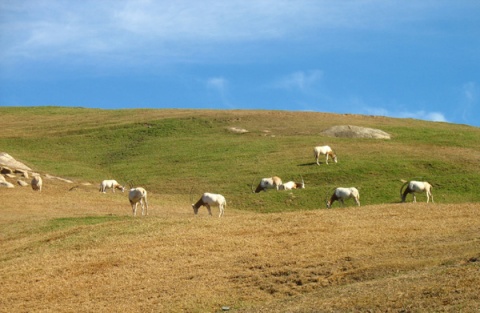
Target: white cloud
(50, 28)
(420, 115)
(469, 99)
(470, 92)
(433, 116)
(217, 83)
(300, 80)
(220, 86)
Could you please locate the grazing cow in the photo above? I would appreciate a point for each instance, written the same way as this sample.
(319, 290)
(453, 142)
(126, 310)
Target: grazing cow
(416, 186)
(209, 199)
(136, 195)
(324, 150)
(110, 183)
(342, 194)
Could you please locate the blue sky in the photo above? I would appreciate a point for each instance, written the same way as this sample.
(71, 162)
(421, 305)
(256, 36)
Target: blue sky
(407, 59)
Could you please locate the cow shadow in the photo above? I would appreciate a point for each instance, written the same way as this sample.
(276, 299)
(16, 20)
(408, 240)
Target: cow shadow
(307, 164)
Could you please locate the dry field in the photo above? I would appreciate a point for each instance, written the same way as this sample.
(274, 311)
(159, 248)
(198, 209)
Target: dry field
(80, 251)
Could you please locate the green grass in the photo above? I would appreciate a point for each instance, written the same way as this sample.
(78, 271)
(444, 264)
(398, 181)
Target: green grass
(173, 151)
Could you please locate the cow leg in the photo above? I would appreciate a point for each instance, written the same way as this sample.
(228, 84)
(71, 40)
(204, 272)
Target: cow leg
(143, 207)
(146, 205)
(209, 209)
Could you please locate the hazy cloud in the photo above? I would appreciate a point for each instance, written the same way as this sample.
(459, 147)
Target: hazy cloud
(469, 100)
(52, 28)
(47, 41)
(217, 83)
(430, 116)
(470, 92)
(300, 80)
(421, 114)
(220, 86)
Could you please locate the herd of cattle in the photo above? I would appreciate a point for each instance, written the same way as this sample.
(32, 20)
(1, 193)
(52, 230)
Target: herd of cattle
(139, 195)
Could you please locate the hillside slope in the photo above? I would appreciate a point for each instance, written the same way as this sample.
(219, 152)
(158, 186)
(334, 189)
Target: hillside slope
(178, 152)
(71, 248)
(80, 250)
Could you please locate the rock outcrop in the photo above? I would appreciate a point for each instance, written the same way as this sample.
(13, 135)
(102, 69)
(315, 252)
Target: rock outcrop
(349, 131)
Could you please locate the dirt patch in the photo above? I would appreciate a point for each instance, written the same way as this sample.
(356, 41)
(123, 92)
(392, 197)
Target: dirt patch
(349, 131)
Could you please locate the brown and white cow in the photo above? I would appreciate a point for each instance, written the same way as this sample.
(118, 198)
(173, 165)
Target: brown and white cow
(268, 183)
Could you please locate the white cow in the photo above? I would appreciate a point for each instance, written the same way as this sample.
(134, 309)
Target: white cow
(342, 194)
(416, 186)
(324, 150)
(268, 183)
(110, 183)
(136, 195)
(209, 199)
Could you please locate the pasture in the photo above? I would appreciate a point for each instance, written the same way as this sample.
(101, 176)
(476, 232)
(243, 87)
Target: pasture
(72, 248)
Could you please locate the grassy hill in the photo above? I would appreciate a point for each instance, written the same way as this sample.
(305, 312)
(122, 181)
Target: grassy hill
(172, 151)
(71, 248)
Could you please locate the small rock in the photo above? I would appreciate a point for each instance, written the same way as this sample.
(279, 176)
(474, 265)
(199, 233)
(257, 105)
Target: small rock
(237, 130)
(22, 183)
(6, 184)
(6, 170)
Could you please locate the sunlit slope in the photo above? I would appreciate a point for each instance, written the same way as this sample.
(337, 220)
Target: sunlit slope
(174, 152)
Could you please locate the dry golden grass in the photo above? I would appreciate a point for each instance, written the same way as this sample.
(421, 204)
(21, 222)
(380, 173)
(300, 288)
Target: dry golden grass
(383, 258)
